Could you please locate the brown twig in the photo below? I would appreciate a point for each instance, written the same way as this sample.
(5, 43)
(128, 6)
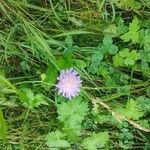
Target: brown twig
(120, 117)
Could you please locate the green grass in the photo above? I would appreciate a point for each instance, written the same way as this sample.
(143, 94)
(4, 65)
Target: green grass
(40, 38)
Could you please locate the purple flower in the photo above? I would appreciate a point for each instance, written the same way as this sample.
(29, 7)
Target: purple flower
(69, 83)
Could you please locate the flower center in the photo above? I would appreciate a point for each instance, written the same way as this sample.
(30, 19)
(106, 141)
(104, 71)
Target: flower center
(69, 83)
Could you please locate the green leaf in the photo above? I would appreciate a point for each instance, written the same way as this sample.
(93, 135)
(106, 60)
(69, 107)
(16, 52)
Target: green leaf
(33, 100)
(72, 113)
(129, 61)
(108, 46)
(72, 134)
(103, 70)
(143, 103)
(80, 63)
(126, 58)
(145, 36)
(133, 33)
(93, 68)
(65, 61)
(96, 141)
(124, 90)
(97, 56)
(101, 119)
(107, 40)
(121, 28)
(3, 126)
(50, 77)
(75, 108)
(113, 49)
(38, 100)
(131, 58)
(24, 65)
(69, 41)
(131, 111)
(118, 61)
(55, 140)
(28, 92)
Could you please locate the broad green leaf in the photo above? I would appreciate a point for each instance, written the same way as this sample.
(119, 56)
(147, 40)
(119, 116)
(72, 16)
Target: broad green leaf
(3, 126)
(65, 61)
(131, 111)
(121, 28)
(118, 61)
(38, 100)
(80, 63)
(33, 100)
(101, 119)
(133, 34)
(56, 141)
(50, 77)
(126, 58)
(72, 113)
(28, 92)
(95, 141)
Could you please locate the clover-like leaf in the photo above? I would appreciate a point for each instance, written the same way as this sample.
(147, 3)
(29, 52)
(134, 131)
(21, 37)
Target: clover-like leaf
(108, 46)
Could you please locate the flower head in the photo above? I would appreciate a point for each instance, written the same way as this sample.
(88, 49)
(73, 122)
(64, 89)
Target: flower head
(69, 83)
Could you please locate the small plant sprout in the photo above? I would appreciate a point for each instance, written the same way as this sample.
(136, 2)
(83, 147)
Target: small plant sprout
(69, 83)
